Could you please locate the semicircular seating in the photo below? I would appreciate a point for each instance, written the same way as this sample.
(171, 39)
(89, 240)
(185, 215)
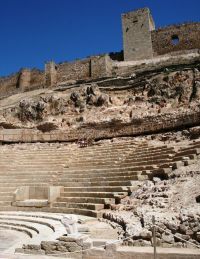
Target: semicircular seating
(93, 177)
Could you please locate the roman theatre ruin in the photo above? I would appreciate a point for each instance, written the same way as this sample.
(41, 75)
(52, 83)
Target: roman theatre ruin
(100, 157)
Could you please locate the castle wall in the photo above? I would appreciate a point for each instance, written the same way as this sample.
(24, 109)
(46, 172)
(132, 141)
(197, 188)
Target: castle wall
(137, 27)
(37, 79)
(90, 68)
(176, 38)
(9, 84)
(24, 80)
(101, 66)
(79, 69)
(55, 74)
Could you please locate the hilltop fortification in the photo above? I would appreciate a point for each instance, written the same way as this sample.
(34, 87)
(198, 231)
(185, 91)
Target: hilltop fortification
(142, 43)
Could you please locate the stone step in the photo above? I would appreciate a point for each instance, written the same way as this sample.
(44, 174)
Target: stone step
(93, 194)
(110, 169)
(43, 152)
(6, 198)
(133, 152)
(41, 163)
(97, 189)
(138, 150)
(95, 200)
(28, 174)
(93, 164)
(118, 160)
(188, 152)
(88, 206)
(95, 179)
(17, 184)
(151, 156)
(17, 228)
(7, 189)
(28, 219)
(173, 165)
(34, 167)
(89, 184)
(28, 171)
(5, 203)
(38, 157)
(85, 212)
(22, 181)
(26, 226)
(6, 193)
(25, 177)
(87, 174)
(182, 158)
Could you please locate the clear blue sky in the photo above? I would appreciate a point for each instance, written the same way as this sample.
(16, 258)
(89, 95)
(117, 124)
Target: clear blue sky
(34, 31)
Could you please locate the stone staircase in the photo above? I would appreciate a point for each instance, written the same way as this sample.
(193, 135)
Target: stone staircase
(101, 175)
(32, 227)
(93, 177)
(22, 165)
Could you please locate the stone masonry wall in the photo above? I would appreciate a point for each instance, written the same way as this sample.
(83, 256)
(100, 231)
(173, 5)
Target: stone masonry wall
(79, 69)
(90, 68)
(37, 79)
(55, 74)
(24, 80)
(176, 38)
(9, 84)
(101, 66)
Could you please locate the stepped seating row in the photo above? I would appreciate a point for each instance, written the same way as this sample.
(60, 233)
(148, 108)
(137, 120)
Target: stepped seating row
(36, 227)
(95, 180)
(27, 166)
(93, 177)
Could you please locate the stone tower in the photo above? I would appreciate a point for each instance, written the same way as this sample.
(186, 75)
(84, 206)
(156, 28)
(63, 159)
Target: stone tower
(50, 74)
(137, 27)
(25, 79)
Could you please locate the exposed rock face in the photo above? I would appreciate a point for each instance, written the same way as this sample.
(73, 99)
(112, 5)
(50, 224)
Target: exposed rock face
(129, 102)
(177, 215)
(31, 111)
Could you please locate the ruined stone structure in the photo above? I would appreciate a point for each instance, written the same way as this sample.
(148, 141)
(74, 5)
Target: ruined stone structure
(108, 138)
(143, 41)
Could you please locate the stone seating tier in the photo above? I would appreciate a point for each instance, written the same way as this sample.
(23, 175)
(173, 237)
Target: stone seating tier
(93, 177)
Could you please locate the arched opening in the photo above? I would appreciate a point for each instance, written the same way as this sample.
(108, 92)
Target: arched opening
(175, 40)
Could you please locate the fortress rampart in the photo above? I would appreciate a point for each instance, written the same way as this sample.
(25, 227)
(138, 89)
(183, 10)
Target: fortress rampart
(56, 74)
(176, 38)
(142, 41)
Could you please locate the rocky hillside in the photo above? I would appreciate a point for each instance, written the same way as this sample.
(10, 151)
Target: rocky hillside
(116, 102)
